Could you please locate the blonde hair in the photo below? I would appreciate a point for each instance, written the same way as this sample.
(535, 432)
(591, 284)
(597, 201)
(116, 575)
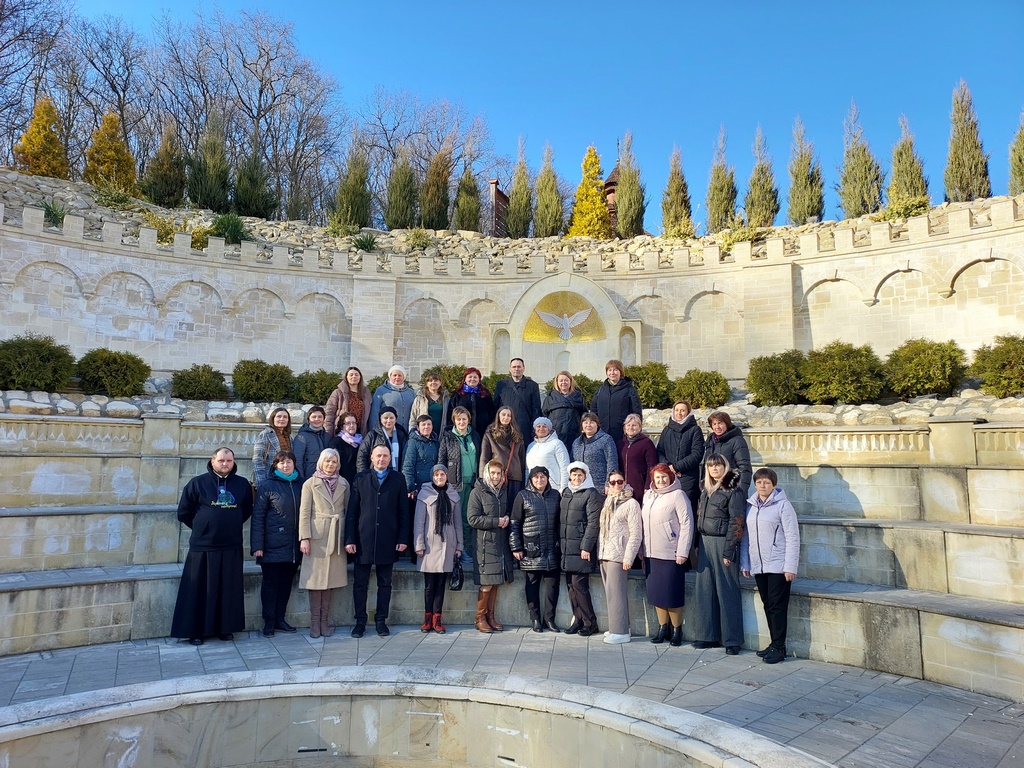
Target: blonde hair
(717, 460)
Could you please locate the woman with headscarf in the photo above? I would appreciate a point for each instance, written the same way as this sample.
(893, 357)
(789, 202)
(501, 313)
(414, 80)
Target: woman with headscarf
(437, 539)
(459, 451)
(564, 406)
(504, 442)
(535, 545)
(489, 516)
(347, 445)
(619, 538)
(579, 518)
(668, 534)
(322, 540)
(310, 442)
(547, 451)
(274, 540)
(276, 437)
(474, 397)
(350, 396)
(432, 401)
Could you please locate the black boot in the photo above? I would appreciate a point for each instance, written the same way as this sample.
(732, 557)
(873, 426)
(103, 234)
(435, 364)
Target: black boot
(663, 634)
(677, 637)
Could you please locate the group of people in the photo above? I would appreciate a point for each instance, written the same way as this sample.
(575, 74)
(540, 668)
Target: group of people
(494, 483)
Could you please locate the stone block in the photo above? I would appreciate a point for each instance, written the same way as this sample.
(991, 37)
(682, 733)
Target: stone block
(995, 496)
(973, 655)
(944, 497)
(919, 556)
(32, 219)
(986, 566)
(74, 227)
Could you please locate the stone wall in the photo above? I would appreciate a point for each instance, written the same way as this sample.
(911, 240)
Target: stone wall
(313, 302)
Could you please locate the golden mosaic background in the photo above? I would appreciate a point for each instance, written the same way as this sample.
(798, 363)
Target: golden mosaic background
(563, 303)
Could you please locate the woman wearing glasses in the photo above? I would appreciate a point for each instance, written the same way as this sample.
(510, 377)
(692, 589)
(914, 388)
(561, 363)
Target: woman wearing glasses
(618, 542)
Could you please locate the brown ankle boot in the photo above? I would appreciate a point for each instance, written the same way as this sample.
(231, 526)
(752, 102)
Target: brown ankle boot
(438, 626)
(492, 600)
(428, 622)
(482, 598)
(325, 614)
(315, 596)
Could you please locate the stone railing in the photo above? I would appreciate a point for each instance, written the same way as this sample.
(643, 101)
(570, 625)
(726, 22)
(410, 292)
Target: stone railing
(840, 445)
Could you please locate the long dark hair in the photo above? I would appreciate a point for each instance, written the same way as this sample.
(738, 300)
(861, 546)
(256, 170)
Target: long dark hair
(361, 389)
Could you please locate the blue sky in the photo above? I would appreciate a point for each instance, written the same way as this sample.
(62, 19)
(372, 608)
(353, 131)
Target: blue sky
(573, 73)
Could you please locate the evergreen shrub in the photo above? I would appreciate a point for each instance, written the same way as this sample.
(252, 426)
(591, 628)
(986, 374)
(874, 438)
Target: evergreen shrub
(703, 389)
(652, 384)
(315, 387)
(1001, 367)
(373, 384)
(261, 382)
(921, 366)
(775, 379)
(118, 374)
(842, 373)
(419, 239)
(231, 227)
(200, 382)
(34, 362)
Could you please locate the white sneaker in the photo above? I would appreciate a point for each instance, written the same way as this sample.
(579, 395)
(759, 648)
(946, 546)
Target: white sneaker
(612, 639)
(607, 632)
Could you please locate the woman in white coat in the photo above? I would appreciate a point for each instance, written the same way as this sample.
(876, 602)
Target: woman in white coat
(547, 450)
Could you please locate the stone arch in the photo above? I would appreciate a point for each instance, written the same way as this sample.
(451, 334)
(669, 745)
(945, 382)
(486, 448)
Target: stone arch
(194, 313)
(47, 296)
(711, 336)
(866, 295)
(500, 346)
(466, 311)
(123, 306)
(421, 336)
(325, 340)
(711, 290)
(627, 346)
(954, 274)
(656, 314)
(182, 286)
(928, 273)
(831, 307)
(77, 280)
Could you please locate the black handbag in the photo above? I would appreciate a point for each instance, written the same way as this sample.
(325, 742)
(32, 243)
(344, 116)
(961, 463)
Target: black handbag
(455, 583)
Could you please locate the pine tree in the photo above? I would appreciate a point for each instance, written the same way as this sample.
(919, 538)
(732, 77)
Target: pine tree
(108, 159)
(631, 193)
(861, 179)
(434, 197)
(676, 213)
(254, 190)
(721, 197)
(352, 199)
(908, 180)
(762, 198)
(1017, 161)
(209, 173)
(39, 151)
(590, 217)
(520, 199)
(966, 173)
(806, 183)
(403, 191)
(549, 215)
(467, 203)
(164, 180)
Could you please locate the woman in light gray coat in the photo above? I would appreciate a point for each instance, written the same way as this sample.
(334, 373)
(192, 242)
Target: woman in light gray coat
(619, 539)
(437, 539)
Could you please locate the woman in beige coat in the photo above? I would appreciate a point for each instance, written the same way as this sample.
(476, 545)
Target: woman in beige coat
(437, 538)
(322, 539)
(619, 538)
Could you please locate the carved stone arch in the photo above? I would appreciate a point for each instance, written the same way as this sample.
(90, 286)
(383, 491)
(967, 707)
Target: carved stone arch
(129, 276)
(929, 273)
(326, 337)
(319, 295)
(714, 289)
(179, 285)
(422, 336)
(949, 282)
(273, 300)
(866, 295)
(27, 263)
(463, 313)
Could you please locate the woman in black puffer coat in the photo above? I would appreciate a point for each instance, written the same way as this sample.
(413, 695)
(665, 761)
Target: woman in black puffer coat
(274, 539)
(728, 442)
(580, 516)
(535, 545)
(489, 515)
(681, 446)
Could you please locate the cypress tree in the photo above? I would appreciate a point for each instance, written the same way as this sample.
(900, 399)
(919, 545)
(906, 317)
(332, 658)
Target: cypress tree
(403, 191)
(676, 213)
(1017, 161)
(164, 180)
(908, 180)
(631, 193)
(352, 200)
(762, 198)
(39, 151)
(966, 173)
(467, 203)
(721, 197)
(108, 159)
(209, 173)
(520, 199)
(434, 198)
(806, 184)
(861, 178)
(549, 214)
(590, 217)
(254, 190)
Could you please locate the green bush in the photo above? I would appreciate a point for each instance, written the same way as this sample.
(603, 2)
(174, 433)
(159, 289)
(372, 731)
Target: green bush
(1001, 367)
(904, 208)
(200, 382)
(419, 239)
(365, 242)
(315, 387)
(375, 382)
(775, 379)
(704, 389)
(231, 227)
(451, 376)
(919, 367)
(118, 374)
(842, 373)
(261, 382)
(113, 196)
(54, 212)
(33, 362)
(652, 384)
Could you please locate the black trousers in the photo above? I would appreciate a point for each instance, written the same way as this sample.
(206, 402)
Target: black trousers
(578, 585)
(774, 591)
(361, 587)
(535, 580)
(433, 591)
(276, 589)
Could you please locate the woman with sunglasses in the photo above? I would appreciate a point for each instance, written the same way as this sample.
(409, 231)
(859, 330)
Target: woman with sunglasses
(619, 538)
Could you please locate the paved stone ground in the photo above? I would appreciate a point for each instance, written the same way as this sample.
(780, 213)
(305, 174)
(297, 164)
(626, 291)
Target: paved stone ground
(849, 716)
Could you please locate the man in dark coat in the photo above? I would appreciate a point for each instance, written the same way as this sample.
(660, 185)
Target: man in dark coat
(213, 506)
(377, 527)
(521, 394)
